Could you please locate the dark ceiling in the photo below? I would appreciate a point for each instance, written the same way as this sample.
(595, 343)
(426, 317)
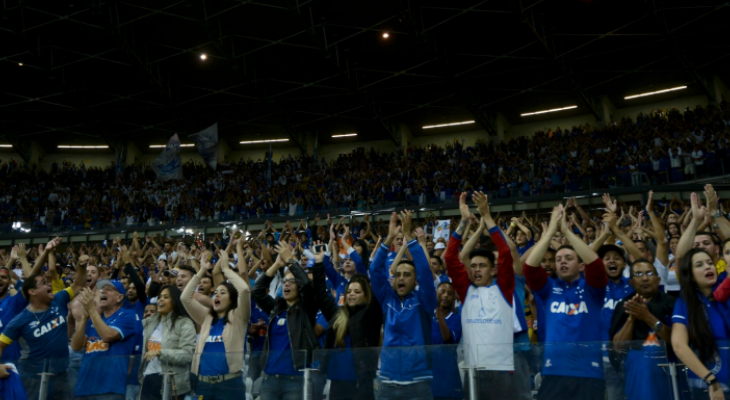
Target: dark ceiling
(111, 71)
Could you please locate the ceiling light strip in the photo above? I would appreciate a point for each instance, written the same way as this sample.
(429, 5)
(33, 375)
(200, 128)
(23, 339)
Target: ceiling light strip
(264, 141)
(162, 146)
(449, 124)
(66, 146)
(6, 145)
(548, 111)
(634, 96)
(344, 135)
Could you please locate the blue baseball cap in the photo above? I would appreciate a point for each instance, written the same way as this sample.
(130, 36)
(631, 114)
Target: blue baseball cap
(117, 285)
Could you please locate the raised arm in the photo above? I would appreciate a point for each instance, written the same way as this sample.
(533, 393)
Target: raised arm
(196, 310)
(688, 236)
(426, 291)
(243, 311)
(535, 276)
(713, 210)
(595, 272)
(662, 250)
(506, 279)
(454, 267)
(378, 273)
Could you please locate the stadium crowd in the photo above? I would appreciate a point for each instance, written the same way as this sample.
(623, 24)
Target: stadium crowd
(570, 304)
(665, 146)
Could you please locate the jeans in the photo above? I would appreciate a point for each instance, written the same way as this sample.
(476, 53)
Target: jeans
(230, 389)
(319, 380)
(282, 387)
(59, 387)
(152, 388)
(132, 392)
(522, 375)
(614, 382)
(495, 385)
(416, 391)
(108, 396)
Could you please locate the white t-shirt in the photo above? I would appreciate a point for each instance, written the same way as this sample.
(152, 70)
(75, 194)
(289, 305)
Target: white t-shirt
(155, 343)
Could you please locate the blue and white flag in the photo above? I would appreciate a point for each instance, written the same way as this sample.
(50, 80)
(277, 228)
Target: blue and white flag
(168, 166)
(206, 142)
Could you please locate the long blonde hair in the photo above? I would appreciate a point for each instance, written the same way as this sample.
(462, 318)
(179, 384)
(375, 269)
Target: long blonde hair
(339, 326)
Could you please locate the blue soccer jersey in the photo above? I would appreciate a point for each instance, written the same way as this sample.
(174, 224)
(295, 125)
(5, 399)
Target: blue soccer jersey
(573, 318)
(45, 332)
(105, 366)
(447, 382)
(721, 332)
(614, 293)
(10, 307)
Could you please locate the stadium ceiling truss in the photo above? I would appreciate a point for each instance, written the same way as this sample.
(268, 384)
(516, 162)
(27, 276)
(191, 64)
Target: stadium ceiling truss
(93, 70)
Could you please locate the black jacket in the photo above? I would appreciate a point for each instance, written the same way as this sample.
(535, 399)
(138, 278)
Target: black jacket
(364, 327)
(300, 317)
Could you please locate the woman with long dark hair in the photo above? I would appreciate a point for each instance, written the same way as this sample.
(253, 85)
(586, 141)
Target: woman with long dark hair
(356, 324)
(290, 339)
(219, 353)
(700, 331)
(169, 342)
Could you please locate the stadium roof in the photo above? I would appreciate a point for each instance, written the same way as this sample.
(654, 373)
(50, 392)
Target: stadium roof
(101, 70)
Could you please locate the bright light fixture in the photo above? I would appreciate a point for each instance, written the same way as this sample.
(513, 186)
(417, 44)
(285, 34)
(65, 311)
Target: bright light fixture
(264, 141)
(66, 146)
(345, 135)
(20, 64)
(6, 145)
(449, 124)
(203, 56)
(634, 96)
(162, 146)
(386, 35)
(548, 111)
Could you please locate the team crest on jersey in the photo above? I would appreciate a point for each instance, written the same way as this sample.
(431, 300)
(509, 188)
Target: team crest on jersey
(557, 290)
(43, 329)
(569, 309)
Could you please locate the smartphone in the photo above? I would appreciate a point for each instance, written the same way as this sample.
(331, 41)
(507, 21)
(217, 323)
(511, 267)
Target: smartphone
(320, 248)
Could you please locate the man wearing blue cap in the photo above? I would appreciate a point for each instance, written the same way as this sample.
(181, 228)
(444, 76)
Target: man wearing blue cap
(107, 332)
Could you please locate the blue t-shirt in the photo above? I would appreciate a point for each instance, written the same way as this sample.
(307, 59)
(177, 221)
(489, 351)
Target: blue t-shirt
(342, 363)
(280, 359)
(46, 334)
(11, 306)
(720, 331)
(258, 314)
(213, 360)
(447, 382)
(614, 293)
(105, 363)
(574, 326)
(521, 250)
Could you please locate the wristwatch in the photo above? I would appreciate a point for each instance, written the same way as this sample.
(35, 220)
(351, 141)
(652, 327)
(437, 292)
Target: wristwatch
(658, 326)
(717, 214)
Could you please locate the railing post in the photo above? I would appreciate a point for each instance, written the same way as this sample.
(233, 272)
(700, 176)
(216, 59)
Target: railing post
(472, 383)
(45, 378)
(673, 376)
(166, 386)
(307, 395)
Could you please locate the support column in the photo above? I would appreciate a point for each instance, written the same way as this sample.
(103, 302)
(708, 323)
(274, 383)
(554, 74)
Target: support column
(311, 143)
(133, 154)
(404, 136)
(718, 89)
(36, 153)
(606, 109)
(502, 126)
(224, 151)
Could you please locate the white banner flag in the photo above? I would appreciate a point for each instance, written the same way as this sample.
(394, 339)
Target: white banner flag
(168, 166)
(206, 142)
(442, 230)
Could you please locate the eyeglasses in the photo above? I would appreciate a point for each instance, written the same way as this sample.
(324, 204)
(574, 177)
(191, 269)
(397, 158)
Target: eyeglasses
(290, 280)
(648, 274)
